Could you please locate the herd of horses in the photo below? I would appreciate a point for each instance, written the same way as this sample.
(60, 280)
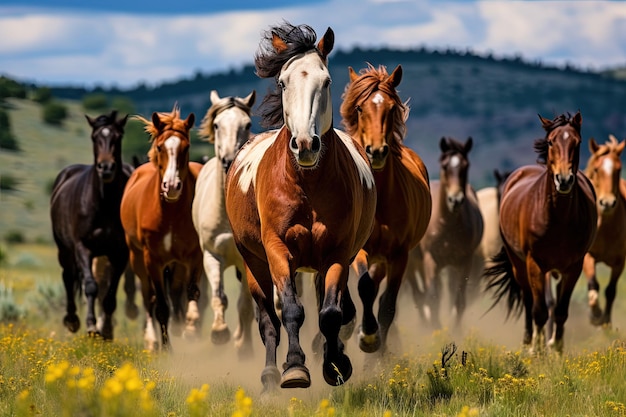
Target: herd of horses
(305, 197)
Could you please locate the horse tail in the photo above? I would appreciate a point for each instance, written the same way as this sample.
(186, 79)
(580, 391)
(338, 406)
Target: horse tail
(501, 280)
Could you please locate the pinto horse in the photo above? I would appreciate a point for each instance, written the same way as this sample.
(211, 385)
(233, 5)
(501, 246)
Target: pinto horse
(300, 198)
(85, 214)
(374, 116)
(156, 214)
(548, 219)
(609, 246)
(454, 232)
(226, 125)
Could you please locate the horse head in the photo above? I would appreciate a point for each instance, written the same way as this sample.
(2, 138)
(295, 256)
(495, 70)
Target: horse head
(454, 169)
(106, 136)
(227, 125)
(170, 150)
(561, 149)
(604, 170)
(373, 113)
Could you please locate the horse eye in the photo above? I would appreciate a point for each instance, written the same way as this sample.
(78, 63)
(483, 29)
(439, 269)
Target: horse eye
(281, 85)
(158, 148)
(215, 126)
(248, 126)
(358, 108)
(327, 83)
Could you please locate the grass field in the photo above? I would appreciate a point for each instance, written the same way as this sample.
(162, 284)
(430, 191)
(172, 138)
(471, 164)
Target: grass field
(489, 374)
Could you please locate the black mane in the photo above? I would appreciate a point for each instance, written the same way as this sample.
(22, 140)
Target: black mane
(541, 145)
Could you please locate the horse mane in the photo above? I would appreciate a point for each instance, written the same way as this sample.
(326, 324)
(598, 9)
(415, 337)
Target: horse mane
(206, 129)
(372, 79)
(169, 121)
(454, 146)
(269, 62)
(105, 120)
(541, 145)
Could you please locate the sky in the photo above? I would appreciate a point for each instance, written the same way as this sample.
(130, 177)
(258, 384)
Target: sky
(124, 43)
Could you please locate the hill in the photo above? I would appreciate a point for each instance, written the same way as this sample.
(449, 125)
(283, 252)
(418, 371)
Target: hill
(452, 93)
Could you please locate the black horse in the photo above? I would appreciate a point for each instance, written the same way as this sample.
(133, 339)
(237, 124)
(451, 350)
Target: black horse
(85, 214)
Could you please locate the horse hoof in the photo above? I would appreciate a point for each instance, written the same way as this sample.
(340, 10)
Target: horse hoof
(338, 372)
(346, 330)
(131, 310)
(369, 343)
(72, 323)
(219, 337)
(270, 377)
(595, 316)
(318, 345)
(296, 377)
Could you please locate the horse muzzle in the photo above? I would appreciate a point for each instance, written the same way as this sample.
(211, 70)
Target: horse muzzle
(106, 171)
(307, 153)
(171, 190)
(453, 201)
(564, 183)
(377, 157)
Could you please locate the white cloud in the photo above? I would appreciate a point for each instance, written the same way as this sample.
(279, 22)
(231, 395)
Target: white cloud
(124, 49)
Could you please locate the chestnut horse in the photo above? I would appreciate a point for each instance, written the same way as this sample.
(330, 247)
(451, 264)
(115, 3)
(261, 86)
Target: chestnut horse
(300, 198)
(548, 219)
(85, 214)
(156, 214)
(227, 126)
(374, 116)
(453, 234)
(609, 246)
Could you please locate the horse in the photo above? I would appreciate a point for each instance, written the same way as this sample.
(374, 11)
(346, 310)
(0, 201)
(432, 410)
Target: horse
(609, 246)
(548, 220)
(227, 125)
(374, 115)
(491, 242)
(156, 215)
(454, 232)
(300, 198)
(85, 215)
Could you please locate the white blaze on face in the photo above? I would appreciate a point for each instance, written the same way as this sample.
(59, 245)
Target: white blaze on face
(378, 99)
(607, 166)
(455, 161)
(106, 131)
(565, 135)
(172, 145)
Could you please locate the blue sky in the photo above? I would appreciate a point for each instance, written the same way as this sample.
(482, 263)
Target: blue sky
(123, 43)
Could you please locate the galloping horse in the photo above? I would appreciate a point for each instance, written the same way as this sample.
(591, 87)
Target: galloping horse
(548, 220)
(453, 234)
(226, 125)
(609, 246)
(374, 116)
(300, 198)
(156, 215)
(85, 214)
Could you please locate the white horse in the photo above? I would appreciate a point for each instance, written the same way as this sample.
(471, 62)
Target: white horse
(226, 125)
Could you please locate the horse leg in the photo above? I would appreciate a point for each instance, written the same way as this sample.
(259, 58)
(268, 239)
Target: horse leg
(118, 265)
(130, 289)
(611, 290)
(432, 279)
(71, 282)
(158, 297)
(192, 315)
(369, 333)
(336, 368)
(388, 299)
(565, 288)
(593, 290)
(414, 276)
(101, 270)
(220, 333)
(457, 284)
(550, 303)
(540, 311)
(90, 286)
(245, 308)
(137, 263)
(174, 280)
(261, 289)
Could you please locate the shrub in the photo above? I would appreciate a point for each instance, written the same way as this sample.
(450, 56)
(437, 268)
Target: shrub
(54, 113)
(7, 140)
(14, 236)
(42, 95)
(95, 102)
(11, 88)
(8, 182)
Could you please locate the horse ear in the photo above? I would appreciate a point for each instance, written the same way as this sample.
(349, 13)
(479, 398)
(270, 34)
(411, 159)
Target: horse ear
(395, 77)
(443, 144)
(113, 115)
(122, 122)
(90, 120)
(353, 74)
(156, 121)
(190, 120)
(544, 122)
(325, 45)
(577, 120)
(497, 176)
(620, 147)
(468, 145)
(279, 45)
(249, 99)
(214, 97)
(593, 145)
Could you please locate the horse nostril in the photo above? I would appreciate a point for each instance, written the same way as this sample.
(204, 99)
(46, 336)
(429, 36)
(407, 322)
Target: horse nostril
(293, 144)
(384, 151)
(368, 149)
(317, 144)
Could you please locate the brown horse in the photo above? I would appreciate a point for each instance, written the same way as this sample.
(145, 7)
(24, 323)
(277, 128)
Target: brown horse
(300, 198)
(604, 170)
(156, 215)
(548, 220)
(374, 116)
(453, 234)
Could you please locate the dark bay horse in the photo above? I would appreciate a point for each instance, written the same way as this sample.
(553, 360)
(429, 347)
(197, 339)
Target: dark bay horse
(227, 125)
(85, 214)
(548, 220)
(300, 198)
(156, 215)
(374, 115)
(454, 232)
(609, 246)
